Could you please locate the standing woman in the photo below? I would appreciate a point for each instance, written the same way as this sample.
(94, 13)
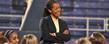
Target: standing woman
(54, 29)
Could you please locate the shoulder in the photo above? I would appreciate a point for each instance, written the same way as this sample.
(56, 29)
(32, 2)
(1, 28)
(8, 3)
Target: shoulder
(62, 21)
(46, 18)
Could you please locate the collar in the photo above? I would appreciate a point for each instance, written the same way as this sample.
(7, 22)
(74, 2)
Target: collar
(53, 18)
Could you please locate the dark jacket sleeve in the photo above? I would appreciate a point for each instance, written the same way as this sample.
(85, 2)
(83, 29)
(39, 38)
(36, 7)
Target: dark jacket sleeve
(45, 32)
(64, 37)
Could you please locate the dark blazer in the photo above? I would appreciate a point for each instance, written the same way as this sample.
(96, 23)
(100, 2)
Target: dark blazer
(48, 26)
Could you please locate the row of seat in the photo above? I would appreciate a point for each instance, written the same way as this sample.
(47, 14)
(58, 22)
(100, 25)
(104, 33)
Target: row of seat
(8, 7)
(85, 8)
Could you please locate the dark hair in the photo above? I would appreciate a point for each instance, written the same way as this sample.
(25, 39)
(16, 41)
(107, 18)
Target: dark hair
(50, 3)
(49, 6)
(7, 33)
(46, 12)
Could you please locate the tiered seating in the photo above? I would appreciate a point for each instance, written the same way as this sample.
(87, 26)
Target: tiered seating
(76, 23)
(85, 8)
(6, 7)
(10, 18)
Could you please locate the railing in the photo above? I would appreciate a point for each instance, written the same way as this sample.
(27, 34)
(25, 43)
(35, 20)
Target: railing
(102, 24)
(10, 21)
(10, 15)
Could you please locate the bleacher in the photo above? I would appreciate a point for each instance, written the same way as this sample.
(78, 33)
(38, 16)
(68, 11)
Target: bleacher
(82, 16)
(85, 16)
(10, 18)
(85, 8)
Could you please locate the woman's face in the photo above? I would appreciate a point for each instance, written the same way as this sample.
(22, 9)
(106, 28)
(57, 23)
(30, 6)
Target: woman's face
(13, 38)
(55, 10)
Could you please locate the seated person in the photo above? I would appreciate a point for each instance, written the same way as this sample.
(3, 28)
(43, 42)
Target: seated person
(30, 39)
(97, 38)
(83, 40)
(12, 37)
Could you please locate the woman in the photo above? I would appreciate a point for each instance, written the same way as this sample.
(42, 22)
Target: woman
(54, 29)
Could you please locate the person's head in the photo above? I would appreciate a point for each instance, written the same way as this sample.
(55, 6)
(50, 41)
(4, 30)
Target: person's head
(12, 37)
(30, 39)
(3, 40)
(97, 36)
(83, 40)
(54, 8)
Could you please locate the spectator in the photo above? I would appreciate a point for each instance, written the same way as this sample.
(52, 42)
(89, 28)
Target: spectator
(97, 38)
(83, 40)
(30, 39)
(12, 37)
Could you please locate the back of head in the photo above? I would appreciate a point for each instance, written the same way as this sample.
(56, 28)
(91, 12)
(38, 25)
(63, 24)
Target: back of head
(30, 39)
(96, 42)
(83, 41)
(98, 38)
(98, 35)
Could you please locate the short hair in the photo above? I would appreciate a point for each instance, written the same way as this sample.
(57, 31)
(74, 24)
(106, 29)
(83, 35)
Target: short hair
(30, 39)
